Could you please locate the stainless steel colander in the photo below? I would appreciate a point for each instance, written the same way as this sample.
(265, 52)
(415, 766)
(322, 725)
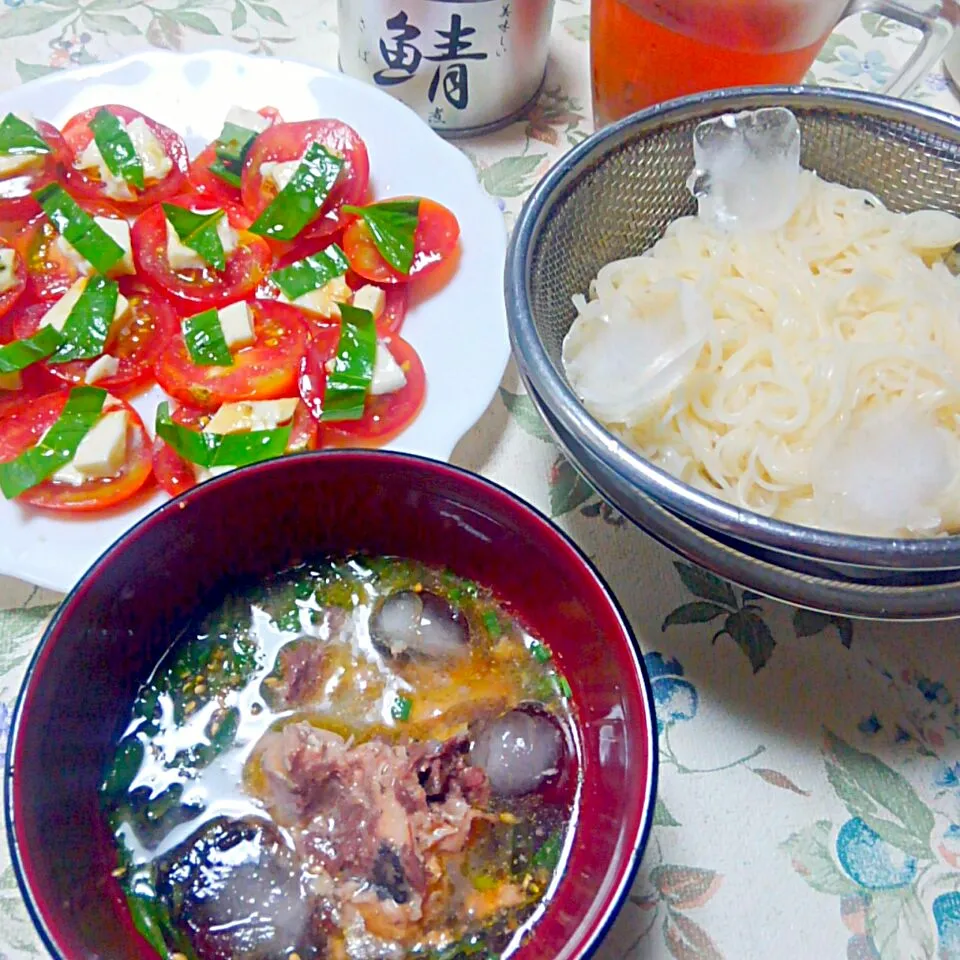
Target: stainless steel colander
(612, 197)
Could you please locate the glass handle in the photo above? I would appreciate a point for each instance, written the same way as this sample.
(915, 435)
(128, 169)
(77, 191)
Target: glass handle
(936, 24)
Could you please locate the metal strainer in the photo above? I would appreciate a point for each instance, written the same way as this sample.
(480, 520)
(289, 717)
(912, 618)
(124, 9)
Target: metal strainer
(613, 197)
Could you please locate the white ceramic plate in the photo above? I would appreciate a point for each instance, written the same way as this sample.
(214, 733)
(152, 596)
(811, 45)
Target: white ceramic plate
(459, 332)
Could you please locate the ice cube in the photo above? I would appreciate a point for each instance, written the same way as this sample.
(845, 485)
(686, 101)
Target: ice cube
(886, 475)
(747, 174)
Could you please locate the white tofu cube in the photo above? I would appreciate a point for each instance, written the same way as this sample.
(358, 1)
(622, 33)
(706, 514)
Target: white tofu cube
(156, 163)
(371, 298)
(388, 375)
(101, 368)
(237, 325)
(101, 452)
(57, 315)
(325, 301)
(8, 265)
(20, 162)
(279, 173)
(248, 119)
(248, 415)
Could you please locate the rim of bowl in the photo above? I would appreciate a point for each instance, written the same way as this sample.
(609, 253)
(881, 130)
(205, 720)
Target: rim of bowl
(643, 818)
(672, 493)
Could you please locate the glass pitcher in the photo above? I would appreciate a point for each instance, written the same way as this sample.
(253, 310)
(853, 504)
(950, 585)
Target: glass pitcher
(646, 51)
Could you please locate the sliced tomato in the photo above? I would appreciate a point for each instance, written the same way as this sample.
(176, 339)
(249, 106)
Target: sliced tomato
(434, 243)
(384, 417)
(35, 381)
(205, 182)
(78, 134)
(265, 370)
(288, 141)
(175, 474)
(148, 326)
(246, 266)
(50, 271)
(24, 426)
(14, 292)
(16, 190)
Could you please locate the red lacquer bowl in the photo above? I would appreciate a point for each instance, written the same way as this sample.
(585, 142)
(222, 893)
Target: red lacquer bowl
(114, 626)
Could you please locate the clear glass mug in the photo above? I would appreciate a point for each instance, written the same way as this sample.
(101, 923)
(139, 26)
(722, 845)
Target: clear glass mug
(646, 51)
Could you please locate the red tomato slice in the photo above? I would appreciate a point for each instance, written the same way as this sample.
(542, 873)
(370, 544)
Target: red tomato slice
(78, 134)
(265, 370)
(175, 474)
(16, 191)
(312, 375)
(434, 242)
(205, 182)
(288, 141)
(205, 288)
(11, 295)
(50, 272)
(23, 427)
(150, 325)
(384, 417)
(36, 381)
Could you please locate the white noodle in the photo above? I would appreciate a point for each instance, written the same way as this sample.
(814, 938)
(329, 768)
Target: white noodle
(778, 370)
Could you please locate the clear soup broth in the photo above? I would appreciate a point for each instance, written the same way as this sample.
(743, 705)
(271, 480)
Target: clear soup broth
(362, 758)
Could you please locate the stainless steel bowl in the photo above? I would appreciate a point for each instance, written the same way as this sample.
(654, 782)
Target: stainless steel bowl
(612, 197)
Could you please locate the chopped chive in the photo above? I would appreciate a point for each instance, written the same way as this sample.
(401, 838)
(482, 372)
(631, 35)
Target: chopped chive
(548, 855)
(401, 708)
(541, 652)
(492, 624)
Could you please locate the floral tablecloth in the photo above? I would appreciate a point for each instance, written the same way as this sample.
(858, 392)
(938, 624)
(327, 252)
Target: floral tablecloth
(810, 774)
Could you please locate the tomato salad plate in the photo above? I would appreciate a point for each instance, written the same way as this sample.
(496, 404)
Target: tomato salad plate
(211, 260)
